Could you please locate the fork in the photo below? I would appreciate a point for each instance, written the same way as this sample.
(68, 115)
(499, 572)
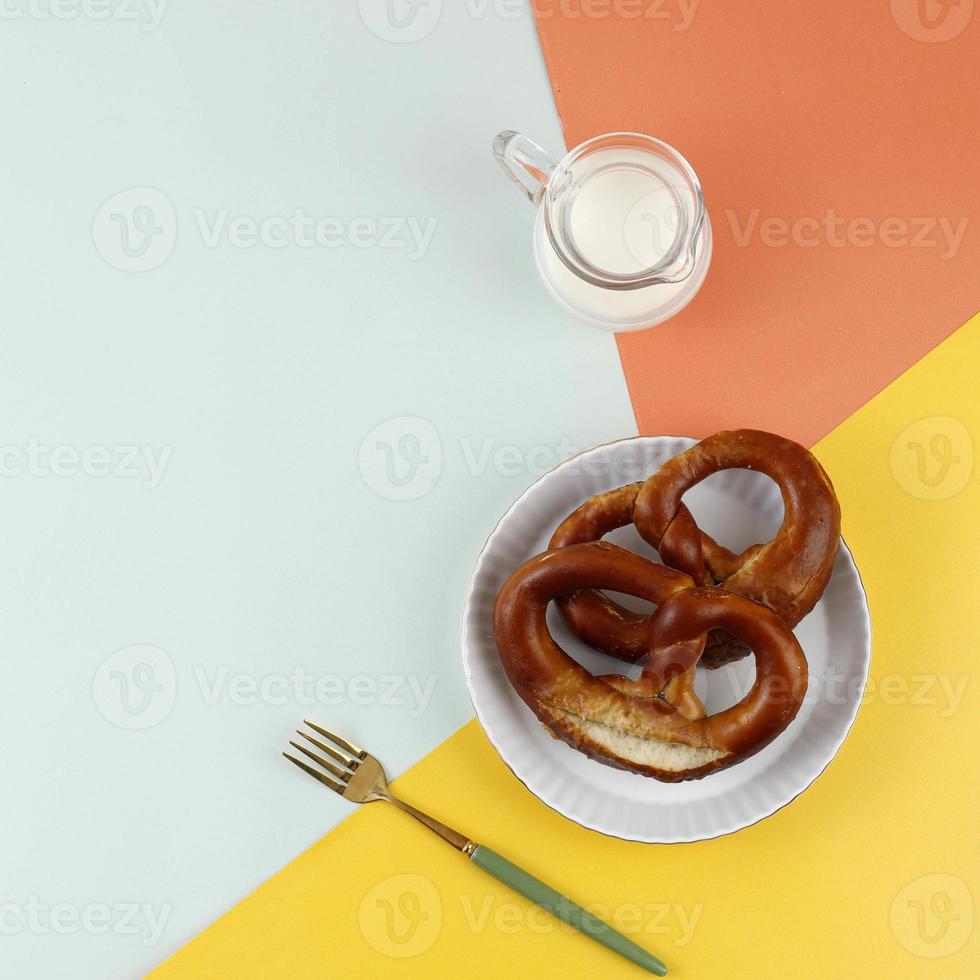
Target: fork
(360, 778)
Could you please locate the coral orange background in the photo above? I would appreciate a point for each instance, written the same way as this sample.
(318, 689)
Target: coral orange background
(788, 111)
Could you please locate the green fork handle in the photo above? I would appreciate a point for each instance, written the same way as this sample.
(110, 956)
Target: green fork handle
(563, 908)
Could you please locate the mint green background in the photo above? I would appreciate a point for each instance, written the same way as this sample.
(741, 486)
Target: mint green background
(262, 549)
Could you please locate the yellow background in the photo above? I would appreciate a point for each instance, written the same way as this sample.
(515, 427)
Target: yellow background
(873, 871)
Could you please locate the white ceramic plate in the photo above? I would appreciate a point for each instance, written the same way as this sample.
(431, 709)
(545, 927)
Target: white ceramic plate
(738, 508)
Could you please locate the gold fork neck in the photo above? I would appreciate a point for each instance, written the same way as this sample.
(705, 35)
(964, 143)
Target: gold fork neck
(449, 835)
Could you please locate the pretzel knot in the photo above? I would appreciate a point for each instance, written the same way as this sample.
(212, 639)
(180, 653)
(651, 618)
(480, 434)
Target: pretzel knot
(788, 574)
(655, 725)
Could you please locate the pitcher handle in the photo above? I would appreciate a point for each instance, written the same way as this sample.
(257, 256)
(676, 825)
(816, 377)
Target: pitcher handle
(524, 162)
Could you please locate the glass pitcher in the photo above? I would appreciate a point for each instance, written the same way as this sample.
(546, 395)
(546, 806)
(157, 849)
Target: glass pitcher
(621, 237)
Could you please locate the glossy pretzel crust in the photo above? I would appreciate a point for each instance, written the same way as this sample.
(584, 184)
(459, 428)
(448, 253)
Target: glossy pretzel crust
(788, 574)
(629, 724)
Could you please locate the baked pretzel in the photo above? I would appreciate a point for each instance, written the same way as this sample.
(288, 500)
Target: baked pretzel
(788, 574)
(602, 622)
(618, 721)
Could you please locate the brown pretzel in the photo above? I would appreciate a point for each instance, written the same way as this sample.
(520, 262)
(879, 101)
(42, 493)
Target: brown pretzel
(620, 722)
(788, 574)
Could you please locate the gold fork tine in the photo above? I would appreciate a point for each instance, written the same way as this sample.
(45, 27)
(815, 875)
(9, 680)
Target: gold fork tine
(342, 742)
(326, 780)
(344, 758)
(341, 774)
